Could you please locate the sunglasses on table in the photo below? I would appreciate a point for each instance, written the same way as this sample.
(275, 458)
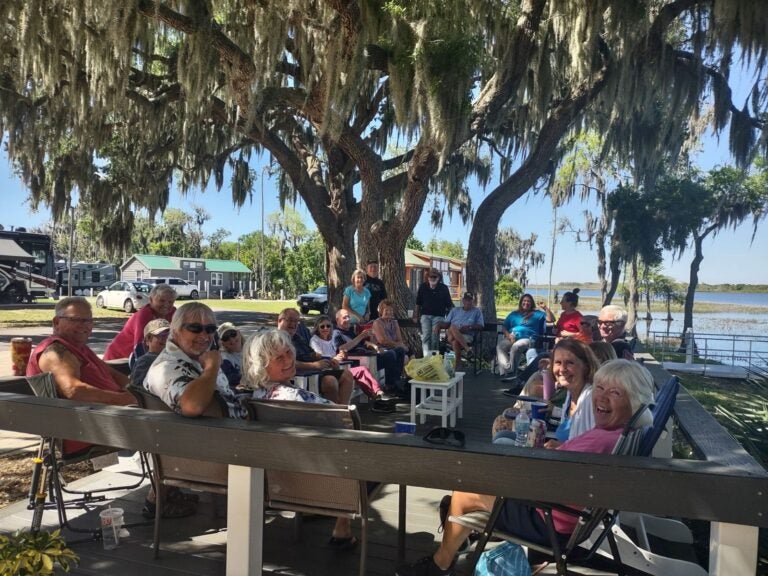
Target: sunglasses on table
(197, 328)
(229, 335)
(446, 437)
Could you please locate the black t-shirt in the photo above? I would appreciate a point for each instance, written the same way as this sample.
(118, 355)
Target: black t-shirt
(378, 293)
(621, 347)
(304, 352)
(434, 301)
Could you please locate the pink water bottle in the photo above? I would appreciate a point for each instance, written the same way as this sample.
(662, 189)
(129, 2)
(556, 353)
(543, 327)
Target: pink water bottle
(549, 384)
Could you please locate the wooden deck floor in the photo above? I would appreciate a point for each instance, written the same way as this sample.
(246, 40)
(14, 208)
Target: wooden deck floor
(197, 545)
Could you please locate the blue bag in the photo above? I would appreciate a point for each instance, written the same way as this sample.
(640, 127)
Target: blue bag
(506, 559)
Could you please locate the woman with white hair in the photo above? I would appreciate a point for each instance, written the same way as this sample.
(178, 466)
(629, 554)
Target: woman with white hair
(187, 372)
(269, 365)
(621, 387)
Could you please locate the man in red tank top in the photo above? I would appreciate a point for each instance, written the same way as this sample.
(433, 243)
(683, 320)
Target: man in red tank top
(78, 373)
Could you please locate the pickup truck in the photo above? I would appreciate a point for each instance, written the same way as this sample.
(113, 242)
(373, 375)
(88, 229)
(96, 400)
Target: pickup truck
(315, 300)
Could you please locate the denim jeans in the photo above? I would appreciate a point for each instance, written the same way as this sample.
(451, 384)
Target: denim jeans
(429, 340)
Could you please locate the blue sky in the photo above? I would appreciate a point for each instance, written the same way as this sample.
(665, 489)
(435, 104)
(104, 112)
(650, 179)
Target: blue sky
(729, 257)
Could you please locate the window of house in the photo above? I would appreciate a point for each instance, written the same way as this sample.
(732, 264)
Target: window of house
(217, 278)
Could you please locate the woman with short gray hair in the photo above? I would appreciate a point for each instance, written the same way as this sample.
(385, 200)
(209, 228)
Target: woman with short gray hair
(130, 339)
(269, 365)
(188, 372)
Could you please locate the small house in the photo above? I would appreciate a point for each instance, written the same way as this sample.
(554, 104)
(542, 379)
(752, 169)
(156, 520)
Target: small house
(417, 263)
(212, 276)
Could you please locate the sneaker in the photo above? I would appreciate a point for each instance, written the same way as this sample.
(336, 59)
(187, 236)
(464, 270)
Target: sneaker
(424, 567)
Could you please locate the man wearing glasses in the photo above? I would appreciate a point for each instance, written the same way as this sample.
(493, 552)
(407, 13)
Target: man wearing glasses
(188, 371)
(611, 322)
(78, 373)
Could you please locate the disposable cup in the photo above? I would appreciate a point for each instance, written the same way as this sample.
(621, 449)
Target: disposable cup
(538, 411)
(111, 525)
(405, 427)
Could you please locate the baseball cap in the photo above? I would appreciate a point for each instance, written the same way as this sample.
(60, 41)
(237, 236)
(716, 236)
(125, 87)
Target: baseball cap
(157, 326)
(226, 327)
(468, 296)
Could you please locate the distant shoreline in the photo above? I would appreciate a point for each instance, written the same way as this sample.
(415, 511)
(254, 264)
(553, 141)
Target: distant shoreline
(747, 288)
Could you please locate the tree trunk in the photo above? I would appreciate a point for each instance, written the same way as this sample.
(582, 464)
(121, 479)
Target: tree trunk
(615, 268)
(693, 282)
(634, 299)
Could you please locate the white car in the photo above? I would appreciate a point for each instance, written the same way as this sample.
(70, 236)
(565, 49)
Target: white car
(130, 296)
(183, 288)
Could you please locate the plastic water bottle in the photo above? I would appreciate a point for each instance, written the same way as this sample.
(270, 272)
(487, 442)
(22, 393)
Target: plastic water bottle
(522, 425)
(449, 361)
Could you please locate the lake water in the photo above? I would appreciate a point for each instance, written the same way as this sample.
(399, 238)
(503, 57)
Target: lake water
(743, 298)
(753, 325)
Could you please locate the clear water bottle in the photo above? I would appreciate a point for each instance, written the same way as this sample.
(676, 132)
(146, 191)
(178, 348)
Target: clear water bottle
(522, 425)
(449, 363)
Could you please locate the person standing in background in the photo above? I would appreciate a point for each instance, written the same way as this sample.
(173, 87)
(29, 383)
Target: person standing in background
(375, 286)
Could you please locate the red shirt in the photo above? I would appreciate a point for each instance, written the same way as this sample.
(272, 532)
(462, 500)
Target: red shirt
(568, 321)
(93, 371)
(132, 333)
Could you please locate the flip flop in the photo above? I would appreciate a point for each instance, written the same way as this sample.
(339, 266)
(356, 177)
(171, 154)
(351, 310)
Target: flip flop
(342, 544)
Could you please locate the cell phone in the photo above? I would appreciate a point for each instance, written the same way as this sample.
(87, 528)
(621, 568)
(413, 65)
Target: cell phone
(215, 342)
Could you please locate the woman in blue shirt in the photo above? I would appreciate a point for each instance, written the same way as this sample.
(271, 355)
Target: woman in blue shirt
(356, 299)
(521, 329)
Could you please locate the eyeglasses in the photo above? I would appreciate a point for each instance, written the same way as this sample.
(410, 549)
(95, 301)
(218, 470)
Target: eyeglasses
(446, 437)
(609, 323)
(324, 326)
(197, 327)
(586, 323)
(434, 277)
(228, 336)
(78, 319)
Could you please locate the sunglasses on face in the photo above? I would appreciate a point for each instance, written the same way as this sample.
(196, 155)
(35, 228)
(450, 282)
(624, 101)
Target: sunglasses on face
(586, 324)
(324, 326)
(446, 437)
(197, 328)
(228, 336)
(608, 323)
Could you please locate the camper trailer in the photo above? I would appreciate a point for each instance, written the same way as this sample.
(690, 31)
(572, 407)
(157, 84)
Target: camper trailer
(86, 276)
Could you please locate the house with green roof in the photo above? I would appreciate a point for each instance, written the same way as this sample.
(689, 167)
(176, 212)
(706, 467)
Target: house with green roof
(210, 275)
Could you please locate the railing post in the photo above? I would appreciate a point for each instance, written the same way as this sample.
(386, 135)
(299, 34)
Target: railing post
(689, 343)
(732, 549)
(245, 521)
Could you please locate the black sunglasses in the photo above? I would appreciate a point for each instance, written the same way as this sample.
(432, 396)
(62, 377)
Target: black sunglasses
(197, 327)
(228, 335)
(324, 326)
(446, 437)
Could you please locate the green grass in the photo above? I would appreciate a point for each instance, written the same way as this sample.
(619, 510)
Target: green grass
(35, 317)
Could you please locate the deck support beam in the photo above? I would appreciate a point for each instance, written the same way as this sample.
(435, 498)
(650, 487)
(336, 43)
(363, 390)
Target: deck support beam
(732, 549)
(245, 521)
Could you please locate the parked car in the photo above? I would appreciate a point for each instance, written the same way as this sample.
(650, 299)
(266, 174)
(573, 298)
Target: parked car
(130, 296)
(316, 300)
(183, 288)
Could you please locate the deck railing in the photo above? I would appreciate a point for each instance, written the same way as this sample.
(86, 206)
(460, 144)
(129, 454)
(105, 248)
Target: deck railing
(747, 351)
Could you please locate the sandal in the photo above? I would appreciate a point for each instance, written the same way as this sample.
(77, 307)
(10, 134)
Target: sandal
(171, 509)
(342, 544)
